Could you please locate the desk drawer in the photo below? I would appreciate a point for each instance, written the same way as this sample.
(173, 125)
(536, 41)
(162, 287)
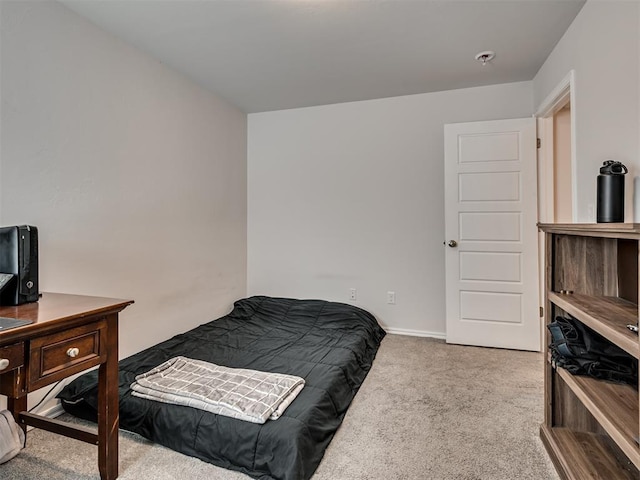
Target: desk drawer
(11, 357)
(56, 356)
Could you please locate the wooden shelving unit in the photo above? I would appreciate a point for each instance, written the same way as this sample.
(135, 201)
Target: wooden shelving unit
(609, 316)
(591, 426)
(580, 455)
(614, 406)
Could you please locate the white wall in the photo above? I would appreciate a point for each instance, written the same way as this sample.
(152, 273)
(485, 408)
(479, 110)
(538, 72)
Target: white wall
(134, 175)
(602, 46)
(352, 196)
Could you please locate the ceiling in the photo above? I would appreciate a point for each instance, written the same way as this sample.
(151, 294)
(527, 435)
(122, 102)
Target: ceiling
(264, 55)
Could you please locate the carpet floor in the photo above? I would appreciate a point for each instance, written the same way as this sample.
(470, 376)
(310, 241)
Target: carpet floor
(427, 411)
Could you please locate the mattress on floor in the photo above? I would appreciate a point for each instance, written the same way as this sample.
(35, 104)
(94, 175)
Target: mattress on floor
(331, 345)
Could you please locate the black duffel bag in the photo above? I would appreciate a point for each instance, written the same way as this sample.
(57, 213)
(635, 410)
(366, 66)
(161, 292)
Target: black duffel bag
(582, 351)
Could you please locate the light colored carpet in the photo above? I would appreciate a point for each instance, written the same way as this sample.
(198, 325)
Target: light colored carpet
(427, 410)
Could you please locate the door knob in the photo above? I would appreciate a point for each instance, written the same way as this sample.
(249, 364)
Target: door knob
(453, 243)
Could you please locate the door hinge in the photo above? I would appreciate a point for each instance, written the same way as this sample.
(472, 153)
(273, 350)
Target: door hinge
(541, 312)
(538, 143)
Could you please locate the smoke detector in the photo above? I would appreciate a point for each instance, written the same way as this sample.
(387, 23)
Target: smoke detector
(486, 56)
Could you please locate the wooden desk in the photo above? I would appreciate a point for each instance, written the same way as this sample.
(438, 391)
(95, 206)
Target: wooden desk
(69, 334)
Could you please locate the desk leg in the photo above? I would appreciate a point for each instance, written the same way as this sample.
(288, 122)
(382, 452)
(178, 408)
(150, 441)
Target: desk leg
(108, 416)
(12, 384)
(15, 406)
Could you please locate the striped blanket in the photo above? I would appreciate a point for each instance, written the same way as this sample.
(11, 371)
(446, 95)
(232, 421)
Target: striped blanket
(248, 395)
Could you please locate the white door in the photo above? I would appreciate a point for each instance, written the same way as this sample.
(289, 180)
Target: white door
(491, 234)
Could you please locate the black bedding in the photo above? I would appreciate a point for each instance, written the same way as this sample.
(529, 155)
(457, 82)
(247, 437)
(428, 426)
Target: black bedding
(331, 345)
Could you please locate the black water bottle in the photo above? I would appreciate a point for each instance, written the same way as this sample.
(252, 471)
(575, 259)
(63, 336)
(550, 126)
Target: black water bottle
(611, 192)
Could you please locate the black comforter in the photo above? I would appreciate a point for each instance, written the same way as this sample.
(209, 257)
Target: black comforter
(330, 345)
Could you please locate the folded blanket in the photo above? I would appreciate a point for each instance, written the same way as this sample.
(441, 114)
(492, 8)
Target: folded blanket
(239, 393)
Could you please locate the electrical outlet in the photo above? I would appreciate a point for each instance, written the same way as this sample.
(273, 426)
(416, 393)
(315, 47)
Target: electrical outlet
(352, 294)
(391, 298)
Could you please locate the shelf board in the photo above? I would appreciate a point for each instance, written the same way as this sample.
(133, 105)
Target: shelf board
(583, 456)
(609, 230)
(608, 316)
(613, 405)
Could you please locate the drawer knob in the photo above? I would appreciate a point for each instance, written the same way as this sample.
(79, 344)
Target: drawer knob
(4, 363)
(73, 352)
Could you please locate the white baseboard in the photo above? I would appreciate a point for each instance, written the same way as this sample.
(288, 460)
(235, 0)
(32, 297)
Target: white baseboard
(416, 333)
(53, 411)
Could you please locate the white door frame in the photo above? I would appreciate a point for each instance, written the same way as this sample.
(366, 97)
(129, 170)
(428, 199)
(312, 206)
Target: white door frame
(556, 100)
(564, 91)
